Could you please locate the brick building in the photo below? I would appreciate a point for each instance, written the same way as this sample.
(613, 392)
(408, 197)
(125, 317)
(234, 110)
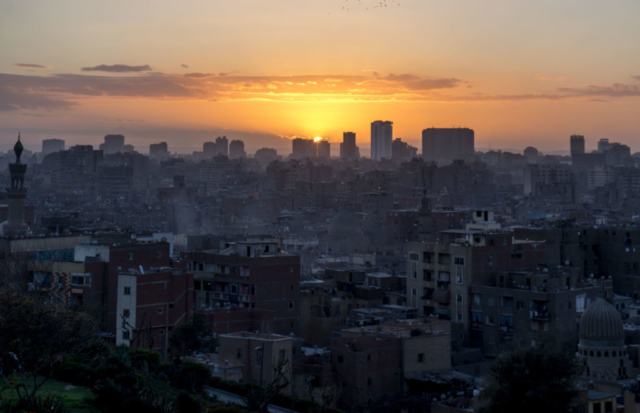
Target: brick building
(251, 274)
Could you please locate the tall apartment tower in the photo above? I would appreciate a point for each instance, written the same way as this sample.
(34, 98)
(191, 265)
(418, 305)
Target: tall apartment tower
(159, 151)
(445, 145)
(236, 149)
(577, 145)
(348, 147)
(16, 194)
(381, 139)
(303, 148)
(113, 144)
(222, 146)
(209, 149)
(324, 149)
(52, 145)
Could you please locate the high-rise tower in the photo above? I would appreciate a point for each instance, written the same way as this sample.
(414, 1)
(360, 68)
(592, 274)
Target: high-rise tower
(577, 145)
(381, 139)
(16, 195)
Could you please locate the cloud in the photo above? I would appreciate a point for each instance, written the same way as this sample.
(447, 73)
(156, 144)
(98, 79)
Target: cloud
(12, 100)
(61, 90)
(617, 90)
(117, 68)
(185, 66)
(636, 78)
(31, 66)
(203, 75)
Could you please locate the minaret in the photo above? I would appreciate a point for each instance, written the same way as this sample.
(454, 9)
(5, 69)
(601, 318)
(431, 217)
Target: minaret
(16, 195)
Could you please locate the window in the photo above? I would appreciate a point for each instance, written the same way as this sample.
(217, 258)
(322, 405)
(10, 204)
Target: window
(489, 320)
(506, 302)
(458, 279)
(158, 254)
(458, 260)
(414, 256)
(608, 407)
(459, 317)
(477, 299)
(160, 310)
(368, 381)
(197, 285)
(490, 301)
(520, 305)
(421, 358)
(490, 260)
(239, 353)
(282, 354)
(426, 275)
(170, 305)
(126, 313)
(459, 298)
(291, 304)
(79, 280)
(125, 335)
(161, 332)
(131, 256)
(340, 359)
(127, 290)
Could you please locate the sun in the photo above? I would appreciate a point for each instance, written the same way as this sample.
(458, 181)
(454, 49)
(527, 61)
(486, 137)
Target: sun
(317, 138)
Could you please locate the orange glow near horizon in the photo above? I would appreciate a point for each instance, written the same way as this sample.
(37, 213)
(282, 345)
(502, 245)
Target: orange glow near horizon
(287, 68)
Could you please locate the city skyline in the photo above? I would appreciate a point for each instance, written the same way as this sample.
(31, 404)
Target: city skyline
(218, 68)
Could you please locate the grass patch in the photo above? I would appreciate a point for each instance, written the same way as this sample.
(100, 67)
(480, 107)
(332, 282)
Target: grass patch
(74, 397)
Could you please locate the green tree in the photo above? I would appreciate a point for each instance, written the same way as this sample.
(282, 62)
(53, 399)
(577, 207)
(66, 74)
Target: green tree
(532, 379)
(194, 336)
(35, 336)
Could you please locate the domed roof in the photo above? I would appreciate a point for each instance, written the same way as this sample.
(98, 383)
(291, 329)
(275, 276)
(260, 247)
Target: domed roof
(601, 326)
(344, 225)
(18, 148)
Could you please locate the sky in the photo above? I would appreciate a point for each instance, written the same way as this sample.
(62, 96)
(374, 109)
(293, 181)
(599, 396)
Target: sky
(520, 73)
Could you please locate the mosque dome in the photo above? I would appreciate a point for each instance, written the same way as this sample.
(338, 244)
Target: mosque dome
(601, 326)
(344, 225)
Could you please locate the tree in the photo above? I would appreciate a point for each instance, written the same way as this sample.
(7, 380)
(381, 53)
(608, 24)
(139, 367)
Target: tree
(532, 379)
(259, 398)
(194, 336)
(34, 335)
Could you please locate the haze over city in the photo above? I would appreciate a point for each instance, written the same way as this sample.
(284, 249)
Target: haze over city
(319, 206)
(177, 71)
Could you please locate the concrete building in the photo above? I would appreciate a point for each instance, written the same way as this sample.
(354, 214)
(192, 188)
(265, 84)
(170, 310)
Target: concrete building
(303, 148)
(222, 146)
(209, 149)
(577, 145)
(381, 140)
(159, 151)
(52, 145)
(372, 363)
(439, 273)
(348, 147)
(522, 308)
(112, 144)
(249, 274)
(253, 358)
(149, 304)
(402, 151)
(324, 149)
(236, 149)
(445, 145)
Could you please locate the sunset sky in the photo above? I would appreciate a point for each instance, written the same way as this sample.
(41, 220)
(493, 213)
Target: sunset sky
(519, 73)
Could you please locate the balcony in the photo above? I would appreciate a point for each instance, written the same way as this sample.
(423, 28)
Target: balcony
(244, 298)
(539, 314)
(221, 296)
